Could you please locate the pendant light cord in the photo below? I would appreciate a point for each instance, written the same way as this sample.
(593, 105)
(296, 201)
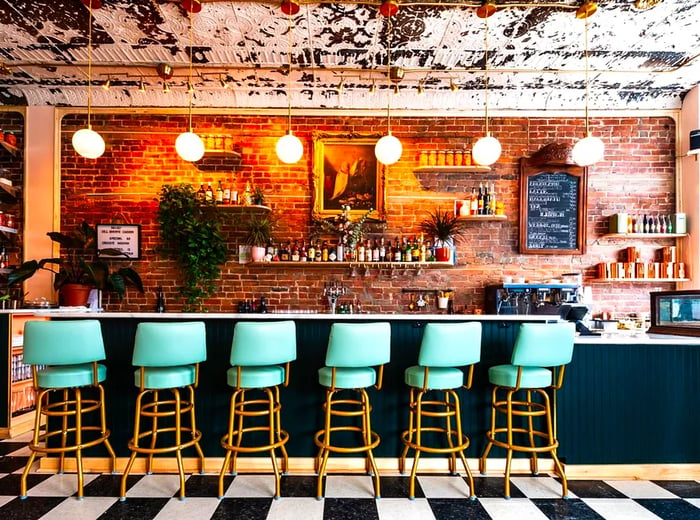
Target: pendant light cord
(289, 73)
(585, 57)
(388, 75)
(89, 89)
(190, 86)
(486, 73)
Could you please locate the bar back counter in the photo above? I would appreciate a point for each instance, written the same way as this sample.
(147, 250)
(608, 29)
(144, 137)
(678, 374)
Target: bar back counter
(629, 402)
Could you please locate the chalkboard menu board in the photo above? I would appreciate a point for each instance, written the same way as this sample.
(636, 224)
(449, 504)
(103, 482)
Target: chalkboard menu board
(553, 209)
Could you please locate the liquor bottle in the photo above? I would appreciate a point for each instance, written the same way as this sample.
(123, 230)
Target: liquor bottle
(332, 254)
(487, 200)
(160, 300)
(382, 250)
(262, 308)
(663, 224)
(340, 250)
(247, 198)
(646, 222)
(227, 195)
(295, 255)
(397, 251)
(201, 193)
(312, 251)
(284, 253)
(324, 251)
(219, 193)
(492, 208)
(474, 203)
(636, 224)
(407, 252)
(480, 200)
(375, 251)
(415, 251)
(209, 194)
(669, 225)
(423, 250)
(368, 251)
(303, 255)
(360, 255)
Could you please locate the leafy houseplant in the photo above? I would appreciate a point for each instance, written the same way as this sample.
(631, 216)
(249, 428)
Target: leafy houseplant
(445, 227)
(79, 265)
(191, 233)
(259, 233)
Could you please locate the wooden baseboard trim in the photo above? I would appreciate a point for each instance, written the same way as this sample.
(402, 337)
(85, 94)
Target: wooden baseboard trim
(305, 466)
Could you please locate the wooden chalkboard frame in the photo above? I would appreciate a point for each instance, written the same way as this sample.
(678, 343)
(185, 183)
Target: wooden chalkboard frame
(532, 167)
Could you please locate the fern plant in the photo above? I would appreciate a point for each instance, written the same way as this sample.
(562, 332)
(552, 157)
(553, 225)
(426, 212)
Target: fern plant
(191, 235)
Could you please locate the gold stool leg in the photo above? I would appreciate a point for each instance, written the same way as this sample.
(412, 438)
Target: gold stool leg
(489, 434)
(368, 441)
(178, 441)
(458, 424)
(325, 441)
(34, 442)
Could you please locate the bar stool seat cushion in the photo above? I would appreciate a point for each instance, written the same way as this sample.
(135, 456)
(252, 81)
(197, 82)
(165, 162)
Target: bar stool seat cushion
(439, 378)
(532, 377)
(347, 377)
(156, 378)
(256, 377)
(70, 376)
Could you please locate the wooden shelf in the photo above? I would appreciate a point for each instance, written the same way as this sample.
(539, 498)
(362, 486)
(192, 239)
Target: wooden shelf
(377, 265)
(240, 209)
(10, 148)
(642, 280)
(222, 153)
(453, 169)
(644, 235)
(8, 193)
(482, 217)
(8, 229)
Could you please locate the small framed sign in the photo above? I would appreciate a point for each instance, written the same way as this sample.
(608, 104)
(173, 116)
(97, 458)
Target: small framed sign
(119, 241)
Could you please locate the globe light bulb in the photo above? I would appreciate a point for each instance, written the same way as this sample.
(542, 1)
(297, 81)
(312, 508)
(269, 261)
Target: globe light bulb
(189, 146)
(486, 151)
(588, 150)
(388, 149)
(88, 143)
(289, 148)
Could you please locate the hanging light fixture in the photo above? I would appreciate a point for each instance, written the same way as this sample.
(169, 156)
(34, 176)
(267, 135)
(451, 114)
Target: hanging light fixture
(189, 145)
(487, 149)
(86, 141)
(590, 149)
(289, 148)
(388, 149)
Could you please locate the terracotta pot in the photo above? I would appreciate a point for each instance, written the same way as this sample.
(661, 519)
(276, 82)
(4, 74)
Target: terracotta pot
(74, 295)
(442, 254)
(257, 253)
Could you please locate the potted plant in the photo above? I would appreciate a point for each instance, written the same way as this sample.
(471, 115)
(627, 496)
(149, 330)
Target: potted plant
(444, 226)
(79, 270)
(259, 233)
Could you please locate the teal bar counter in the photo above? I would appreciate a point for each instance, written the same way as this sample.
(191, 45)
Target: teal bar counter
(626, 399)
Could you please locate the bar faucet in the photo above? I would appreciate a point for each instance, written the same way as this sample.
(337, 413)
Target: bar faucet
(333, 290)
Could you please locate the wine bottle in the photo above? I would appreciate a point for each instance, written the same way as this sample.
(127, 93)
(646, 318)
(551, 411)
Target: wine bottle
(219, 193)
(160, 300)
(209, 194)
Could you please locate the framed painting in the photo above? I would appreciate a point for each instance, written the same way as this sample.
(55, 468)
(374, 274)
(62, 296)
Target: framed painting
(346, 173)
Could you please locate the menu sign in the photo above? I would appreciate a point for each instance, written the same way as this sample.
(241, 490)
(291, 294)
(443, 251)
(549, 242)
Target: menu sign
(119, 241)
(553, 211)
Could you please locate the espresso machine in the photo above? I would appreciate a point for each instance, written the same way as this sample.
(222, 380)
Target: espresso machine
(530, 298)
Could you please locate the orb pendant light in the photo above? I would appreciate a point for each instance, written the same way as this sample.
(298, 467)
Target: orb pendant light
(487, 149)
(86, 141)
(388, 149)
(289, 148)
(590, 149)
(189, 146)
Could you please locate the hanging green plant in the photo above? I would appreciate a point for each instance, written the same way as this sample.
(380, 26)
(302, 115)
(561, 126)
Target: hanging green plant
(191, 235)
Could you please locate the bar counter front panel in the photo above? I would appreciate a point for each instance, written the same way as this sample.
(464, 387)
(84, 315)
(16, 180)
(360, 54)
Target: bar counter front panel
(628, 400)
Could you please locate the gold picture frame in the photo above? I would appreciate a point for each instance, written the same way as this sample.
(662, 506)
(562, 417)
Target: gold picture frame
(347, 173)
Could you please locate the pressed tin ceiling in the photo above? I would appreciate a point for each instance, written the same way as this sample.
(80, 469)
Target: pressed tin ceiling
(643, 54)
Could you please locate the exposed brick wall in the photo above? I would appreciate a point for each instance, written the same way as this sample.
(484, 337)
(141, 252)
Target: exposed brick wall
(638, 176)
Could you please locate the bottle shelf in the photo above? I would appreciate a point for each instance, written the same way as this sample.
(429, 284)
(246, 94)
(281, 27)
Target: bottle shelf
(482, 217)
(221, 153)
(9, 147)
(376, 265)
(474, 168)
(642, 280)
(644, 235)
(8, 229)
(241, 209)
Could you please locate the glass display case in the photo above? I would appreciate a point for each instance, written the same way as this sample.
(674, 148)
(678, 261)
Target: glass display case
(675, 312)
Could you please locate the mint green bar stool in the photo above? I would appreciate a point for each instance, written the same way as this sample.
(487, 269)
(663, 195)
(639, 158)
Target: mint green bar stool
(540, 356)
(64, 356)
(261, 353)
(167, 356)
(444, 348)
(354, 350)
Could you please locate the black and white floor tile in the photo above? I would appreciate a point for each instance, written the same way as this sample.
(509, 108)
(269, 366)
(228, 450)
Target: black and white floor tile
(348, 497)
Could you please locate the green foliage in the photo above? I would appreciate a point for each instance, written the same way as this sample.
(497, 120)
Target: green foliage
(191, 233)
(351, 232)
(79, 265)
(443, 225)
(260, 230)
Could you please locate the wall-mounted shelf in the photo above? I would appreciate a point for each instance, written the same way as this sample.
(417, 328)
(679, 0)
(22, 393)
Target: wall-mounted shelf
(239, 209)
(642, 280)
(222, 153)
(8, 229)
(482, 217)
(9, 147)
(7, 193)
(630, 236)
(374, 265)
(453, 169)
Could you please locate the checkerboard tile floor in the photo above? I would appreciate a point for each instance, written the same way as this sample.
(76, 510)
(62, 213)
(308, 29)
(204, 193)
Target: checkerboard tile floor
(248, 496)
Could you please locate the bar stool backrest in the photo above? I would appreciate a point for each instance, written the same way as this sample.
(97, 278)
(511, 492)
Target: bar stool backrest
(544, 344)
(263, 343)
(69, 342)
(169, 344)
(359, 344)
(450, 344)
